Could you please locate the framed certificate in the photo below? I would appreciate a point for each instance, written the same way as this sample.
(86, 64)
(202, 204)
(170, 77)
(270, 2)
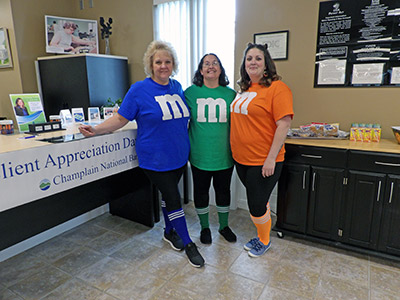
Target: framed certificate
(5, 53)
(277, 42)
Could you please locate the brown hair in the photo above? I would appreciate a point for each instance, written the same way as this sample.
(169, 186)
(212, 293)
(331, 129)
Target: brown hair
(270, 73)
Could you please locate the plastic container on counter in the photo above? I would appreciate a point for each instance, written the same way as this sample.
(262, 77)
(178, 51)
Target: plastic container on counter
(6, 127)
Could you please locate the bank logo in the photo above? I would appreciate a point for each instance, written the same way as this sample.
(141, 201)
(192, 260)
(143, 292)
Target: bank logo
(44, 184)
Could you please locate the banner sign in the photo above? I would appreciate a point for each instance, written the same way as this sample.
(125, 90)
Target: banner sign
(35, 173)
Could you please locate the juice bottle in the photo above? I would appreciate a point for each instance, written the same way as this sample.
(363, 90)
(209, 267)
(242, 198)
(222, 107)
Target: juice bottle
(376, 133)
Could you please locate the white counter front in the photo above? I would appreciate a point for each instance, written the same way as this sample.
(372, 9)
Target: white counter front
(31, 169)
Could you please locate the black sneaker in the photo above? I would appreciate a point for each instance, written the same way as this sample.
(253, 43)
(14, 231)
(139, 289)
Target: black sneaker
(174, 240)
(228, 234)
(205, 236)
(194, 256)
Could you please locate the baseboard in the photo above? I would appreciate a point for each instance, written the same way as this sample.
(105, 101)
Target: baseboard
(53, 232)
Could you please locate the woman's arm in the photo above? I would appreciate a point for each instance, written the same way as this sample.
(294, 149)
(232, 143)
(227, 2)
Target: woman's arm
(55, 40)
(115, 122)
(79, 41)
(282, 127)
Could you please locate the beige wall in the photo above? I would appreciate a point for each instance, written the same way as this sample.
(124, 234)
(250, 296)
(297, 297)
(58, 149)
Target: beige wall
(132, 31)
(10, 78)
(343, 105)
(30, 33)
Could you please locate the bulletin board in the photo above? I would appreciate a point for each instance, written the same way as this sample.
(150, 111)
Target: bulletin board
(358, 44)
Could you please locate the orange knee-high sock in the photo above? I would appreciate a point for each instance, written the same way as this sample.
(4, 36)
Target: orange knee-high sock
(263, 225)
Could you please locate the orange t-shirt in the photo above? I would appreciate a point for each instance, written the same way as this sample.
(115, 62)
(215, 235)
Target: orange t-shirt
(253, 121)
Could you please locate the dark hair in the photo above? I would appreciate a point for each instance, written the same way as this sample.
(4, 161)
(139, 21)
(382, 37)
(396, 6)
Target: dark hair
(270, 73)
(198, 79)
(16, 101)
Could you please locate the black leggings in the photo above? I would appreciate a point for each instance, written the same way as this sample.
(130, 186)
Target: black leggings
(221, 184)
(258, 188)
(167, 183)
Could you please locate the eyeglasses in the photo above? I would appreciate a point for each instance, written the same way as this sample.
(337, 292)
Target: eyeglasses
(208, 64)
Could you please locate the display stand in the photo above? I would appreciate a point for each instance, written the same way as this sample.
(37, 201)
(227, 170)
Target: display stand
(83, 80)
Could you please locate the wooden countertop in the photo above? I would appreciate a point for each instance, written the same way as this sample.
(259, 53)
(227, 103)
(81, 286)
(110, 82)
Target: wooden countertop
(16, 141)
(385, 145)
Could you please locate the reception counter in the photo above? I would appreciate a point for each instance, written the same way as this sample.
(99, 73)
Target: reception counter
(54, 177)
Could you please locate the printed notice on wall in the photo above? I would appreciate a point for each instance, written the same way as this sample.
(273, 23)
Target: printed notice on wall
(331, 71)
(395, 79)
(364, 37)
(367, 73)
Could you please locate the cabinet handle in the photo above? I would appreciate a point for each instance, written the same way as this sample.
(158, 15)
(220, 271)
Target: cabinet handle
(313, 182)
(311, 156)
(391, 192)
(304, 180)
(387, 164)
(379, 191)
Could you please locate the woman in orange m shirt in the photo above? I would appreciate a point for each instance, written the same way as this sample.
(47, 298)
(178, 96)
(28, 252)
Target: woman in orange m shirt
(261, 115)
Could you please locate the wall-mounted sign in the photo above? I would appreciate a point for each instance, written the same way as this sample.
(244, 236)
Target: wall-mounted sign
(358, 43)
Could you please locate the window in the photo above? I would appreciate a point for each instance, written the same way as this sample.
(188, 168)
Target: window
(194, 28)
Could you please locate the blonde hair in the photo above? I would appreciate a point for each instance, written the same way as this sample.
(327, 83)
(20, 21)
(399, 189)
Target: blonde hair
(153, 47)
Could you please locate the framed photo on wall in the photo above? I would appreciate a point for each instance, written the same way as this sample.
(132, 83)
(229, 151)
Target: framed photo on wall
(71, 36)
(5, 53)
(277, 42)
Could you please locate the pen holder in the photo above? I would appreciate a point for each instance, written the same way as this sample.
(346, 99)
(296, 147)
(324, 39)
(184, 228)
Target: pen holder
(45, 127)
(6, 127)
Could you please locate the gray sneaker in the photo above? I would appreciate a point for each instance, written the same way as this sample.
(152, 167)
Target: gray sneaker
(174, 240)
(194, 256)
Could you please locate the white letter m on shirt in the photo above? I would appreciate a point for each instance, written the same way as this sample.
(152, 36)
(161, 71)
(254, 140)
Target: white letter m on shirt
(212, 104)
(174, 101)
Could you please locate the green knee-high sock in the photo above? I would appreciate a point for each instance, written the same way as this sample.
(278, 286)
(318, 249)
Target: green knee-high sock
(223, 214)
(203, 216)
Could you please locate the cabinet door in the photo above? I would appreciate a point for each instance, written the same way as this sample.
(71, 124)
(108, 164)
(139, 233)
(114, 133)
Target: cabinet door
(389, 235)
(364, 208)
(325, 198)
(293, 188)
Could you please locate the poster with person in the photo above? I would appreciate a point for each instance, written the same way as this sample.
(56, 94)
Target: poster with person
(70, 35)
(28, 109)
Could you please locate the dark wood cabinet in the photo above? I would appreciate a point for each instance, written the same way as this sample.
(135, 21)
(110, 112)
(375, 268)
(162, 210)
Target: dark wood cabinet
(363, 208)
(293, 197)
(389, 237)
(324, 203)
(343, 197)
(310, 191)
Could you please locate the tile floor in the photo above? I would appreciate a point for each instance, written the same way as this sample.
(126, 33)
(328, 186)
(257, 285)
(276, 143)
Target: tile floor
(112, 258)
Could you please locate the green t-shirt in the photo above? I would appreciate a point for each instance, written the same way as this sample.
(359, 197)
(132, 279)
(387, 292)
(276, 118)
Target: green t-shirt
(209, 127)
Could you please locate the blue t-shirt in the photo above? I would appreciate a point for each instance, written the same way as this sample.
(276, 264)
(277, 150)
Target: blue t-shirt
(162, 142)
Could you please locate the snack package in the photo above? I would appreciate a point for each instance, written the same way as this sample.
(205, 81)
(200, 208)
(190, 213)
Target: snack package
(317, 128)
(331, 129)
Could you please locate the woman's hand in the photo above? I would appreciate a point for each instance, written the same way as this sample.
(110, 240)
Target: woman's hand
(87, 130)
(268, 168)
